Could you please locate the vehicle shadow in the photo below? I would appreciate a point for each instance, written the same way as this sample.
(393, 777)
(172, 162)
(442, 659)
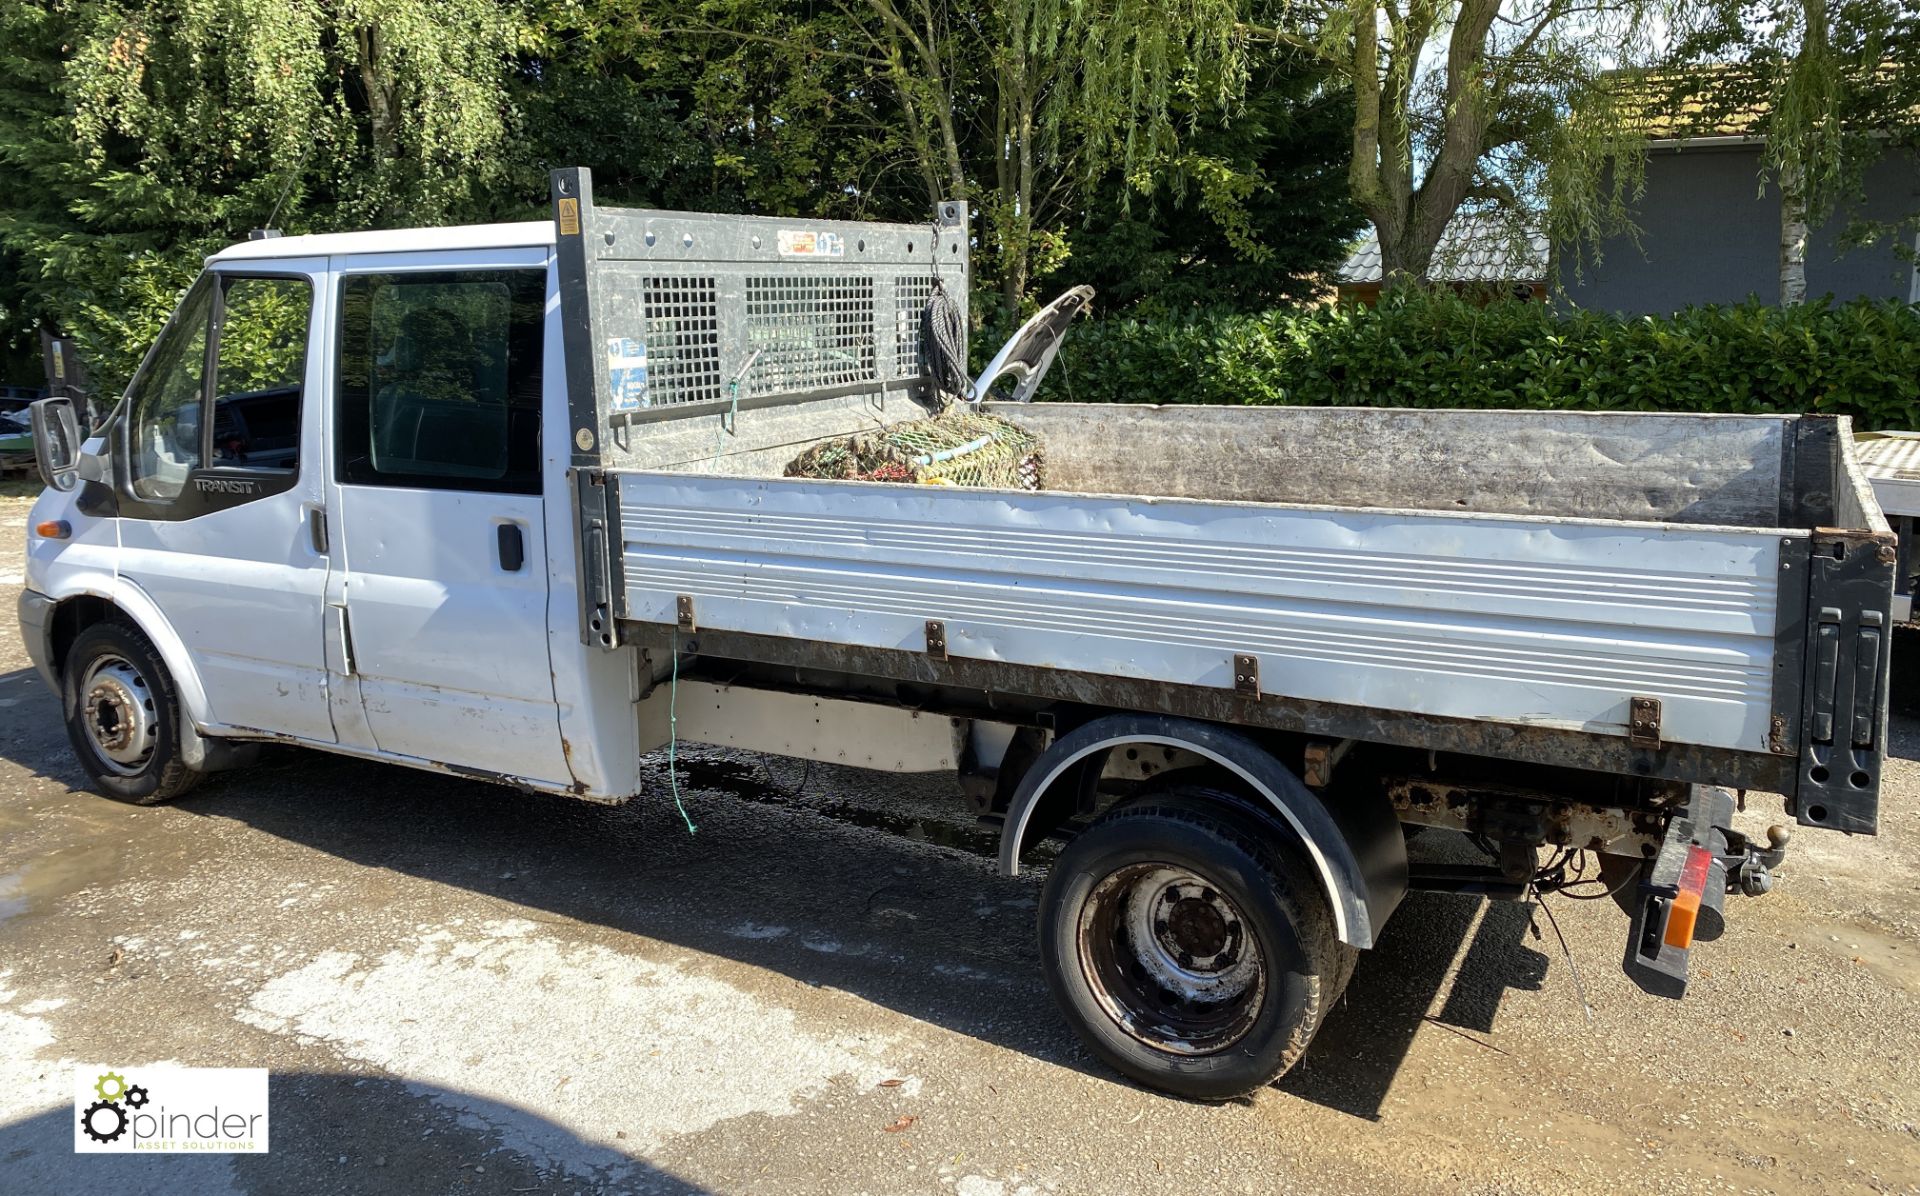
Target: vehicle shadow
(812, 886)
(331, 1132)
(1354, 1059)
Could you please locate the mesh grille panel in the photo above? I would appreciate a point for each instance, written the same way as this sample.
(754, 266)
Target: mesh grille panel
(683, 340)
(812, 331)
(910, 297)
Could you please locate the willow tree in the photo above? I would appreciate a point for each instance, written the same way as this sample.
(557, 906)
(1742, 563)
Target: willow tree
(1463, 103)
(1020, 107)
(177, 125)
(1084, 87)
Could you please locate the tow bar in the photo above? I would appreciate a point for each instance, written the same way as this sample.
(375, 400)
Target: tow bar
(1683, 889)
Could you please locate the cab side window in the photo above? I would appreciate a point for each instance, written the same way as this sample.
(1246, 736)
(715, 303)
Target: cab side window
(165, 424)
(261, 362)
(440, 379)
(256, 328)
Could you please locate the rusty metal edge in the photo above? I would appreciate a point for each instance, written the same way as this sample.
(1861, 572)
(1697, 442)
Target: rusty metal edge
(1507, 741)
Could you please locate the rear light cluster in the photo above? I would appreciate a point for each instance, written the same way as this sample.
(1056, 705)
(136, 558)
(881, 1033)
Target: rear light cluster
(1685, 912)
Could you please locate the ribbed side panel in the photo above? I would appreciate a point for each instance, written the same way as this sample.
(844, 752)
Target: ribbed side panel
(1516, 620)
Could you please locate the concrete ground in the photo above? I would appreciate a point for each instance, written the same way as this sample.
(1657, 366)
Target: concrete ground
(459, 988)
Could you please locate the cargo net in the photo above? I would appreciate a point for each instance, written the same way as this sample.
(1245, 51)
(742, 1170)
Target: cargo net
(958, 447)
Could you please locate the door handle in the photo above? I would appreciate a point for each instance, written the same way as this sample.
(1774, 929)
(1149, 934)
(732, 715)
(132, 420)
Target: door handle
(513, 548)
(317, 530)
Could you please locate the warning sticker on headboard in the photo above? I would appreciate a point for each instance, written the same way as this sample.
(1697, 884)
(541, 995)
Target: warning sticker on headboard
(796, 242)
(626, 374)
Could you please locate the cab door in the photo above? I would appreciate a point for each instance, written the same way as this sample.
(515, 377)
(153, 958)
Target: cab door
(218, 473)
(438, 507)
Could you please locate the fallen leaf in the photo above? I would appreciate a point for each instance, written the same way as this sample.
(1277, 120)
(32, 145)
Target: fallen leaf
(113, 960)
(900, 1123)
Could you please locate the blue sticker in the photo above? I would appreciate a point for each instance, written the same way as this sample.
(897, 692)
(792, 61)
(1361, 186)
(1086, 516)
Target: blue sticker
(627, 373)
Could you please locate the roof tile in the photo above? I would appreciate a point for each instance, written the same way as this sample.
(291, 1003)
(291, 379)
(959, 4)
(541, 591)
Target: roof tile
(1474, 248)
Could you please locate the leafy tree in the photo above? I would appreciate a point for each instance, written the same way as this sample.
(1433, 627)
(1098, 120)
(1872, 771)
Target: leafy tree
(687, 123)
(1461, 104)
(152, 131)
(1020, 107)
(39, 163)
(587, 91)
(1284, 220)
(138, 135)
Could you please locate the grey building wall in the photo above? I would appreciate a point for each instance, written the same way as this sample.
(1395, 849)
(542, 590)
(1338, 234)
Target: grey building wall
(1710, 235)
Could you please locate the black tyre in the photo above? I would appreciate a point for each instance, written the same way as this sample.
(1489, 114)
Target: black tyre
(123, 716)
(1190, 949)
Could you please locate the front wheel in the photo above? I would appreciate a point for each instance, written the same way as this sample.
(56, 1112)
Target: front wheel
(1189, 949)
(123, 716)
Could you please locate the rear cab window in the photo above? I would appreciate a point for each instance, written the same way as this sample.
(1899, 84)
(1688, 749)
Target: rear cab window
(440, 379)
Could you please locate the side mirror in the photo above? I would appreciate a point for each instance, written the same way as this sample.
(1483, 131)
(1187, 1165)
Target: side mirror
(56, 442)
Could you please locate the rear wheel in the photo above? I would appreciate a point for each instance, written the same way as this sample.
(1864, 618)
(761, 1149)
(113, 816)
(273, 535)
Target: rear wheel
(1191, 950)
(123, 716)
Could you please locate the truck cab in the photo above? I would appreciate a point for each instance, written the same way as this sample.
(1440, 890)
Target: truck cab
(324, 504)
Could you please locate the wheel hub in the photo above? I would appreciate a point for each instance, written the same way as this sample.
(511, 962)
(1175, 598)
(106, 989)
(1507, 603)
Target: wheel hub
(1187, 936)
(1196, 928)
(1175, 963)
(118, 711)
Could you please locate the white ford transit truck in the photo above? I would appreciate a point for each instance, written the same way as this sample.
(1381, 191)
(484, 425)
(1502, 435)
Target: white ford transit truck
(519, 502)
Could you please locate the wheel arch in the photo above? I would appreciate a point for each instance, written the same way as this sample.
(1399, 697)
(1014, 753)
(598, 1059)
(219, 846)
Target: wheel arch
(104, 600)
(1360, 856)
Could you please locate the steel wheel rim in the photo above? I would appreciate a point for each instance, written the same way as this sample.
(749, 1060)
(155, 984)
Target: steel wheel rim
(117, 710)
(1170, 959)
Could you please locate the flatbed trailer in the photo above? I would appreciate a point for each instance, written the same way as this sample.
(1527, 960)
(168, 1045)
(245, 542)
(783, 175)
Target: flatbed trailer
(1229, 655)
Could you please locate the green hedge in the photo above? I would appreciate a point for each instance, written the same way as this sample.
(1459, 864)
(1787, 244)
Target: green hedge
(1426, 350)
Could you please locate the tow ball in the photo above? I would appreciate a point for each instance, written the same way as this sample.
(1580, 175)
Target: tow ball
(1750, 869)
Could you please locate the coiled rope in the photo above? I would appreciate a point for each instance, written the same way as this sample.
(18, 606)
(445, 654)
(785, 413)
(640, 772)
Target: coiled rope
(943, 327)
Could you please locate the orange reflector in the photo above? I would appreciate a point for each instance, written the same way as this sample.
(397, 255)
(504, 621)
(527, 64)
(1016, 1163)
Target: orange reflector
(53, 529)
(1685, 910)
(1681, 916)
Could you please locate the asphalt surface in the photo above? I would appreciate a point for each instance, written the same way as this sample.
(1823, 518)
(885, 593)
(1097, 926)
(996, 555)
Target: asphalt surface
(459, 988)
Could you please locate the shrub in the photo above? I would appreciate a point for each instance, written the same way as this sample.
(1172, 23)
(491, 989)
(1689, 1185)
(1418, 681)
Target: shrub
(1860, 358)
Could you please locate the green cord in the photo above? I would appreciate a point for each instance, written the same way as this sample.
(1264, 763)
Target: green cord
(673, 735)
(731, 418)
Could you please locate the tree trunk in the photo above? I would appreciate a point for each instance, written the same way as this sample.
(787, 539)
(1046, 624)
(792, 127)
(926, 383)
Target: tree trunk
(1793, 239)
(1410, 219)
(900, 40)
(1406, 250)
(1014, 130)
(1017, 290)
(381, 115)
(1794, 155)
